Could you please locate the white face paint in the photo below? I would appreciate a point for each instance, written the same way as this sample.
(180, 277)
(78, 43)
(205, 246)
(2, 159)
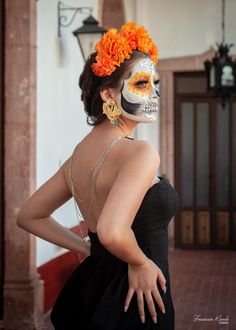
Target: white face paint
(139, 95)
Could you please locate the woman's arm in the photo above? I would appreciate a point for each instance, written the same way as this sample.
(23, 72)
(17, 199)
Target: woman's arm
(114, 225)
(35, 215)
(132, 181)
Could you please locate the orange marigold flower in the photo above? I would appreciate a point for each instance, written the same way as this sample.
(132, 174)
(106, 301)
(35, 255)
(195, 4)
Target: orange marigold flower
(115, 47)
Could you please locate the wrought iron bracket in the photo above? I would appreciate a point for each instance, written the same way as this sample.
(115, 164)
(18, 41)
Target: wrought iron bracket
(63, 20)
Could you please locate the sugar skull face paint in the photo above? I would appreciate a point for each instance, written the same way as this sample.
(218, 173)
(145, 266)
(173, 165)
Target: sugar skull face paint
(139, 96)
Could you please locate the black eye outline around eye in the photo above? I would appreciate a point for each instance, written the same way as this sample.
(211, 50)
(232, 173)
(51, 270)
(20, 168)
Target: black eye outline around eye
(140, 83)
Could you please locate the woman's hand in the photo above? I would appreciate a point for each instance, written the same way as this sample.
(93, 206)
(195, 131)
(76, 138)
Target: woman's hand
(143, 280)
(88, 246)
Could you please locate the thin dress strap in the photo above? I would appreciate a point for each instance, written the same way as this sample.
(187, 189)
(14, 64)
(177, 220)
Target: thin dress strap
(76, 197)
(95, 172)
(101, 161)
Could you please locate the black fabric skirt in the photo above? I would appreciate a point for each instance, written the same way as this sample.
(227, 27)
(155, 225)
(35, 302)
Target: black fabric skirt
(94, 295)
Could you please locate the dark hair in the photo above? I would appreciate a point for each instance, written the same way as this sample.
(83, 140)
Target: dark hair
(91, 85)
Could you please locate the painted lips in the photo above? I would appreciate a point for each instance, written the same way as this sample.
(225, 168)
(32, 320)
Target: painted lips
(150, 110)
(150, 106)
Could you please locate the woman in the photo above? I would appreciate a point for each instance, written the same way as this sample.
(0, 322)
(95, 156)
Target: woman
(127, 209)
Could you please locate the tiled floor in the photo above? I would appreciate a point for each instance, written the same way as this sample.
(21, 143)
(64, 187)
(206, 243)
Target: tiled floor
(203, 286)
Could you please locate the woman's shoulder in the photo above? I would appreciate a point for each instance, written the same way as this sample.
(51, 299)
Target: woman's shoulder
(141, 148)
(138, 151)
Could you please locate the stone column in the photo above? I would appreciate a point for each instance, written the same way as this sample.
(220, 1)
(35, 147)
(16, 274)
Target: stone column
(23, 290)
(112, 13)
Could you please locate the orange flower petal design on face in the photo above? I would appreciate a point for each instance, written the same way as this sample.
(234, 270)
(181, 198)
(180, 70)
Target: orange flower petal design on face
(138, 77)
(115, 47)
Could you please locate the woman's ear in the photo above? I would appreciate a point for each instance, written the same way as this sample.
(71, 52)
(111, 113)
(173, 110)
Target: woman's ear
(105, 94)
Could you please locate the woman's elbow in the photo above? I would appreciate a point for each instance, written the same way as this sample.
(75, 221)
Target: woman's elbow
(109, 236)
(20, 219)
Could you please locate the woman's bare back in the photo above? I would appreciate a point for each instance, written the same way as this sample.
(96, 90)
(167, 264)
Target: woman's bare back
(92, 169)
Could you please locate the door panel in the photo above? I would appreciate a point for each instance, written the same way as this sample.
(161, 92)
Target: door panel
(202, 154)
(222, 228)
(187, 156)
(203, 230)
(222, 156)
(187, 227)
(205, 166)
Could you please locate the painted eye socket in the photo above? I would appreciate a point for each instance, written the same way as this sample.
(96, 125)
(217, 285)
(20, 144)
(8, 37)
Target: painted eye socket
(156, 82)
(141, 83)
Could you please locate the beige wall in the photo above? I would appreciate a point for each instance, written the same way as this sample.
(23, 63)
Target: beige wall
(184, 27)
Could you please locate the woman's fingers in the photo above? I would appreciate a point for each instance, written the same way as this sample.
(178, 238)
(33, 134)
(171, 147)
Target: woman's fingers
(159, 301)
(151, 306)
(140, 303)
(141, 306)
(128, 298)
(161, 280)
(150, 303)
(144, 281)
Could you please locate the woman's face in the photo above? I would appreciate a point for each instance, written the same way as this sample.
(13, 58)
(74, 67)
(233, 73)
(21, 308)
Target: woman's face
(139, 95)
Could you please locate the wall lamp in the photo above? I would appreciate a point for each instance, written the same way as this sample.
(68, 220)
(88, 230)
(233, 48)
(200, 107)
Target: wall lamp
(221, 70)
(88, 34)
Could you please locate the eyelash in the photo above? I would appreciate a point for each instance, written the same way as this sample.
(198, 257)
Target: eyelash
(141, 82)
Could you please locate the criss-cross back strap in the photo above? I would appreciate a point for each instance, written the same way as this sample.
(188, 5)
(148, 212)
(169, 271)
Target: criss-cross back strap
(97, 168)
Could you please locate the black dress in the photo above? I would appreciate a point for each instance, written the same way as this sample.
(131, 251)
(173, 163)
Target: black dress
(93, 297)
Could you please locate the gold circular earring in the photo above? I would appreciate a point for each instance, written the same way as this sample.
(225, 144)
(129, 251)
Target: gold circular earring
(112, 111)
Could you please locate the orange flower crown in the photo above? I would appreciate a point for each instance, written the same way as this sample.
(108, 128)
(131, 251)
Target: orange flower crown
(115, 47)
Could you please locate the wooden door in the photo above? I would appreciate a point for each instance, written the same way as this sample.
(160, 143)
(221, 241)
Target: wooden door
(205, 166)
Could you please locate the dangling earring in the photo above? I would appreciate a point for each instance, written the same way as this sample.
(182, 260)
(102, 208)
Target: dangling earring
(112, 111)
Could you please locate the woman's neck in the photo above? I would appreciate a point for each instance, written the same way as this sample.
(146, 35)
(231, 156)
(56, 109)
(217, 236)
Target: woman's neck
(125, 128)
